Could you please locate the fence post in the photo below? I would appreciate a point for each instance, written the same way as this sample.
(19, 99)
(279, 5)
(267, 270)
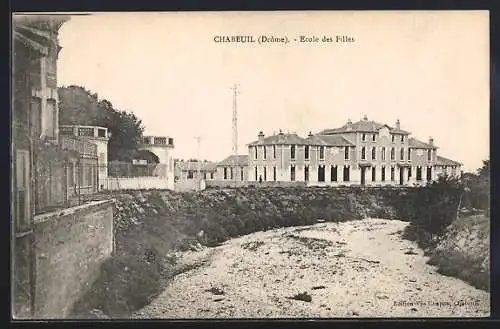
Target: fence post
(80, 178)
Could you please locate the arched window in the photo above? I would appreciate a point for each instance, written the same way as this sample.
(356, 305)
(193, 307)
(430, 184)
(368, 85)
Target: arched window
(374, 153)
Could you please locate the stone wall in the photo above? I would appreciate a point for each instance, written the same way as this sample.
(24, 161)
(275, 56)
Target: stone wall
(228, 212)
(70, 246)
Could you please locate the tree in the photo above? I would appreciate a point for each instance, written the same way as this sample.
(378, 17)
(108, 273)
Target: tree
(484, 171)
(78, 106)
(478, 184)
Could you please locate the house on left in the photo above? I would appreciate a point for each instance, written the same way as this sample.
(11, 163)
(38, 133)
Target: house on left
(48, 171)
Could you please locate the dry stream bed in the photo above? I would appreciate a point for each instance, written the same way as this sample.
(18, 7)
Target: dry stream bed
(351, 269)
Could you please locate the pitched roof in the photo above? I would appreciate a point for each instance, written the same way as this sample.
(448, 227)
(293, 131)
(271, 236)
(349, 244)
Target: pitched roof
(416, 144)
(241, 160)
(364, 125)
(442, 161)
(331, 140)
(193, 165)
(283, 139)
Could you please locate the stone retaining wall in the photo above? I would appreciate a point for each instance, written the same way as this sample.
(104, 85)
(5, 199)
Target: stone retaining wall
(70, 246)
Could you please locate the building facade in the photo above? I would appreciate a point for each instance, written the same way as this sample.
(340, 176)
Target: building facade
(34, 136)
(233, 168)
(185, 170)
(358, 153)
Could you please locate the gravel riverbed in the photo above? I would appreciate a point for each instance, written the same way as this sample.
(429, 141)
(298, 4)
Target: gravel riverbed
(352, 269)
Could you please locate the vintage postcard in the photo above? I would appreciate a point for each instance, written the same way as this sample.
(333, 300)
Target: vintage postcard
(236, 165)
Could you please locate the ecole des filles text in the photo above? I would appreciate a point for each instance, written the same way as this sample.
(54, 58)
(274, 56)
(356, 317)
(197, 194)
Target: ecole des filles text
(281, 39)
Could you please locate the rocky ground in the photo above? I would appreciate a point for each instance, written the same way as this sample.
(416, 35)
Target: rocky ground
(352, 269)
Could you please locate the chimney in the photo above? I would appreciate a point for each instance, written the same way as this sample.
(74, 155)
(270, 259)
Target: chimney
(261, 136)
(349, 124)
(365, 118)
(281, 132)
(431, 141)
(310, 134)
(398, 125)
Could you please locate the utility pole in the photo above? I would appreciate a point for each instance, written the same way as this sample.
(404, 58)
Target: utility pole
(198, 140)
(235, 126)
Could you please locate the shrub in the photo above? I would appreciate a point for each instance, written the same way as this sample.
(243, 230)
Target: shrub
(435, 206)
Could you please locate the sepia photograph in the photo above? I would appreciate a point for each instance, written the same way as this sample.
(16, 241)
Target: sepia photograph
(250, 165)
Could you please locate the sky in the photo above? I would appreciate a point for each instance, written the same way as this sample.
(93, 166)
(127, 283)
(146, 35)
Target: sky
(430, 70)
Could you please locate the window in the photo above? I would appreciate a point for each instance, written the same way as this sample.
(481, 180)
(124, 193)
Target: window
(274, 151)
(333, 174)
(382, 174)
(409, 154)
(363, 137)
(429, 155)
(265, 152)
(225, 173)
(346, 153)
(402, 155)
(392, 154)
(101, 132)
(52, 124)
(292, 173)
(256, 174)
(402, 138)
(392, 138)
(374, 153)
(374, 138)
(211, 175)
(292, 152)
(274, 173)
(71, 177)
(374, 174)
(205, 175)
(256, 152)
(306, 173)
(346, 173)
(231, 173)
(265, 173)
(363, 153)
(306, 152)
(321, 152)
(22, 189)
(242, 174)
(419, 173)
(429, 173)
(392, 173)
(383, 153)
(409, 173)
(321, 173)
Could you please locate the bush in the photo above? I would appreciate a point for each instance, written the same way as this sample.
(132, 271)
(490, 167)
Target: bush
(435, 206)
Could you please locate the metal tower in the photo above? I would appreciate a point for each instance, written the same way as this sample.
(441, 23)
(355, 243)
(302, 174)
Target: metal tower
(235, 126)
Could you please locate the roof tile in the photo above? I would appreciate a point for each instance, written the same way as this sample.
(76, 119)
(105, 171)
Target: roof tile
(241, 160)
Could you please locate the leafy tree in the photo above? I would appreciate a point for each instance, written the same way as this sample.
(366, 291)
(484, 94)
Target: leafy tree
(80, 106)
(478, 188)
(484, 171)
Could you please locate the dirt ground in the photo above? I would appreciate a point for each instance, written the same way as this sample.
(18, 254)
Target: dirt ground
(351, 269)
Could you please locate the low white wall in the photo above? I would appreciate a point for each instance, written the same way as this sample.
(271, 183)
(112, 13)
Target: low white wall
(190, 185)
(137, 183)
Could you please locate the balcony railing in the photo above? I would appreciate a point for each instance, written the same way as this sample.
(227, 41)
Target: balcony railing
(157, 140)
(84, 131)
(82, 147)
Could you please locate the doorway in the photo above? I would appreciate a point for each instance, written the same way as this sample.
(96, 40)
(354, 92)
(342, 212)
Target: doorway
(363, 171)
